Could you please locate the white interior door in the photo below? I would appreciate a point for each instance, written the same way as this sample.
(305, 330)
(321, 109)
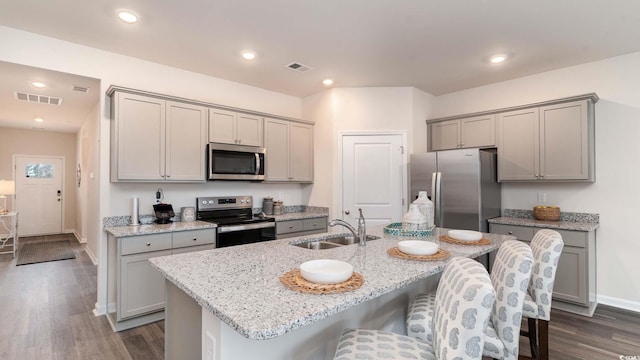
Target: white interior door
(372, 178)
(39, 181)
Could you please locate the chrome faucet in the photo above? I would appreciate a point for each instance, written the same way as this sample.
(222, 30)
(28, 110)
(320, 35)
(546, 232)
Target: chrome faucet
(362, 229)
(360, 234)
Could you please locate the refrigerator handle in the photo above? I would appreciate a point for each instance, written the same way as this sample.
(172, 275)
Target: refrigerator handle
(438, 208)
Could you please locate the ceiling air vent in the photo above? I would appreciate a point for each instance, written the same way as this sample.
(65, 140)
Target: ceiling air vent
(79, 88)
(298, 67)
(41, 99)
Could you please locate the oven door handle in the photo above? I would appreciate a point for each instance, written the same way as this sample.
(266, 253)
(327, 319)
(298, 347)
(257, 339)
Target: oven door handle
(233, 228)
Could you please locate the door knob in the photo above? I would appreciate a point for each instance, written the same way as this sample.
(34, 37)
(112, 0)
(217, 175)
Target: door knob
(347, 212)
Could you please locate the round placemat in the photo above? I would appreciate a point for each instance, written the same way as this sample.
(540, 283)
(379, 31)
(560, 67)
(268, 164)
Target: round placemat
(447, 238)
(294, 281)
(442, 254)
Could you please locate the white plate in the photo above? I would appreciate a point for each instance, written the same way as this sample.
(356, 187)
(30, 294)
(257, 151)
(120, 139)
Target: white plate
(418, 247)
(326, 271)
(465, 235)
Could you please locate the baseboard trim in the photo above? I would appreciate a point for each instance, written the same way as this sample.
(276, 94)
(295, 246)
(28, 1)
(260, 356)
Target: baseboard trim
(619, 303)
(92, 256)
(99, 310)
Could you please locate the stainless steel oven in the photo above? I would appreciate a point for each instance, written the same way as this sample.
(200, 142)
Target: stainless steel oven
(236, 223)
(235, 162)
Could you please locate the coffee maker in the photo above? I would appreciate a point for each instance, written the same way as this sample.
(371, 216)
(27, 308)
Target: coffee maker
(163, 212)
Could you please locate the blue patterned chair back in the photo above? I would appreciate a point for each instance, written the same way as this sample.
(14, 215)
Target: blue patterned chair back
(464, 300)
(510, 276)
(546, 246)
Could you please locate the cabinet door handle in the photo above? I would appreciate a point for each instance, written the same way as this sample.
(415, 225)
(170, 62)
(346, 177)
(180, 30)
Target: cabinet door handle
(291, 227)
(195, 239)
(239, 141)
(510, 232)
(148, 244)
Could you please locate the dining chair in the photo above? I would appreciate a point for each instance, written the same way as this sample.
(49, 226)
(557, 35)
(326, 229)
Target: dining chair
(464, 300)
(547, 247)
(510, 276)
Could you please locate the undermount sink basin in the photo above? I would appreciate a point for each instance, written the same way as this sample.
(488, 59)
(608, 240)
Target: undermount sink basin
(317, 245)
(333, 242)
(348, 240)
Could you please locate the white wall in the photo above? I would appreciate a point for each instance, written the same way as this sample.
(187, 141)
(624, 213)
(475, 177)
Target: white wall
(114, 69)
(615, 193)
(358, 109)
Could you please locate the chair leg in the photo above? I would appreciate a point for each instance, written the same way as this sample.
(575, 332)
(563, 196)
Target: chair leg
(543, 340)
(533, 338)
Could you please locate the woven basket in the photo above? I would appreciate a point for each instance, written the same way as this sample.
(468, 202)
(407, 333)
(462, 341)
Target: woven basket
(549, 213)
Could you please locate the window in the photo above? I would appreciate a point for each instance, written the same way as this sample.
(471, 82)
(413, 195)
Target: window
(39, 171)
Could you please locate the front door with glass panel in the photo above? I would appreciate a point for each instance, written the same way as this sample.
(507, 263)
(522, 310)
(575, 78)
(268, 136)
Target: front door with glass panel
(39, 196)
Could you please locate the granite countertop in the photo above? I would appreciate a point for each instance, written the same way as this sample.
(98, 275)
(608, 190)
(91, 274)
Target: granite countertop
(562, 225)
(298, 215)
(241, 286)
(145, 229)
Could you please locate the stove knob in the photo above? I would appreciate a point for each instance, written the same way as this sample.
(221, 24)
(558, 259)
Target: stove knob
(241, 201)
(248, 201)
(210, 202)
(204, 202)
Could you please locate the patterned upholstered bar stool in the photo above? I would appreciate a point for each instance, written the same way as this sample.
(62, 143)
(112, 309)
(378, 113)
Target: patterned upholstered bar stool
(465, 297)
(547, 247)
(510, 277)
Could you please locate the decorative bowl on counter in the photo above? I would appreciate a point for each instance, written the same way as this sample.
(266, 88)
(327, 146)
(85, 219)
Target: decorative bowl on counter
(548, 213)
(418, 247)
(395, 229)
(326, 271)
(465, 235)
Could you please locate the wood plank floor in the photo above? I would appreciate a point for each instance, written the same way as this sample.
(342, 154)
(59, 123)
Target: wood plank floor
(46, 313)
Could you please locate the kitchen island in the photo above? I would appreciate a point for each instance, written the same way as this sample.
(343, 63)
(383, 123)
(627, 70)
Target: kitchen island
(230, 304)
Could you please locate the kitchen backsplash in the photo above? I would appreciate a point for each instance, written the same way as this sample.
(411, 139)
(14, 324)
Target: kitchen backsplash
(148, 219)
(564, 216)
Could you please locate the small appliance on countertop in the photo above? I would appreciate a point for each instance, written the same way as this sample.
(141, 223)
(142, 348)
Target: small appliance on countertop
(164, 213)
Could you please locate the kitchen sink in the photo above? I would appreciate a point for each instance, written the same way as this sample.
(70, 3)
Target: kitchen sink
(348, 240)
(333, 243)
(317, 245)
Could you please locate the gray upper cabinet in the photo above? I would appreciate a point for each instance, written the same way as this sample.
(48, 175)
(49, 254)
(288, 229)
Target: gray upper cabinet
(468, 132)
(547, 143)
(229, 127)
(289, 151)
(153, 139)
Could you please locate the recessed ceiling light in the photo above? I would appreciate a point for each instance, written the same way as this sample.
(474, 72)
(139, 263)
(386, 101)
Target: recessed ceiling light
(38, 119)
(248, 55)
(497, 59)
(38, 84)
(327, 82)
(127, 16)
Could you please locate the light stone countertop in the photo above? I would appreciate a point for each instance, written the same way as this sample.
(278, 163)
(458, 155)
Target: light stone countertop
(562, 225)
(240, 284)
(146, 229)
(298, 216)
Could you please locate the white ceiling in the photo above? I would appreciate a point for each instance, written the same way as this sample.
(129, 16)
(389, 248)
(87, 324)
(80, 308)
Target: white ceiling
(436, 46)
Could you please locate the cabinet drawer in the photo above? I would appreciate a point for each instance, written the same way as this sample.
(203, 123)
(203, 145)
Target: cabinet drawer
(193, 248)
(194, 237)
(285, 227)
(520, 232)
(144, 243)
(572, 238)
(314, 224)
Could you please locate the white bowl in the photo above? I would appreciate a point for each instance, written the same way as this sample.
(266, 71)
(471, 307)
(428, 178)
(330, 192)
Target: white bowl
(465, 235)
(325, 271)
(418, 247)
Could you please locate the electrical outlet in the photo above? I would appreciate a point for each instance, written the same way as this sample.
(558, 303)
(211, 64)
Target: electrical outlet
(542, 197)
(210, 347)
(281, 196)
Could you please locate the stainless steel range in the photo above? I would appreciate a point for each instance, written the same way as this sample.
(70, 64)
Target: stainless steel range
(236, 223)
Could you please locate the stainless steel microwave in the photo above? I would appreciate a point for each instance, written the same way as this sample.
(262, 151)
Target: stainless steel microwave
(235, 162)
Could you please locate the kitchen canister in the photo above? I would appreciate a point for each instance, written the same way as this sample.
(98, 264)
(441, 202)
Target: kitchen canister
(267, 205)
(414, 219)
(278, 207)
(426, 207)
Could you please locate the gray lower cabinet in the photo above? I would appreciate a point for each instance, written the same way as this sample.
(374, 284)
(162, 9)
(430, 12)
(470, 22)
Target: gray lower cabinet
(136, 290)
(575, 283)
(300, 227)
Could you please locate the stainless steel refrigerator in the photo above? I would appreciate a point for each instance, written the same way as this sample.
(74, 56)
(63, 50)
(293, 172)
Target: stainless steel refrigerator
(463, 185)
